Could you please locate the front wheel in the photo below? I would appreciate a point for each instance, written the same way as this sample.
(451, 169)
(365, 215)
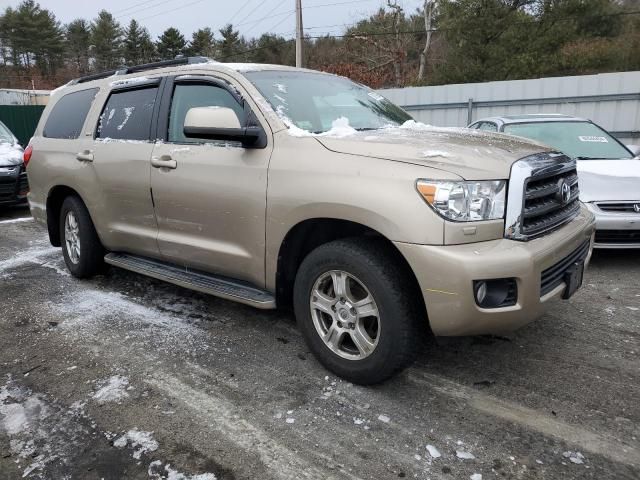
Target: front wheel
(357, 309)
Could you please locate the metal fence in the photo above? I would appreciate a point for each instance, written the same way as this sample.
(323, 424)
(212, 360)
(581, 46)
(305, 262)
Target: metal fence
(610, 99)
(22, 120)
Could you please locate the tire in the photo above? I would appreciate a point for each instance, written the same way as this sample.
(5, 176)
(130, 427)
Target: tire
(87, 259)
(392, 337)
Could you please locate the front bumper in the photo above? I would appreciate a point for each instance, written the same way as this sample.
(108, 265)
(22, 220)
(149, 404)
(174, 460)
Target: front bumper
(616, 229)
(14, 185)
(446, 275)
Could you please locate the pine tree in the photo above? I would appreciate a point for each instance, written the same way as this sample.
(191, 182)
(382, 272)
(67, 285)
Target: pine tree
(33, 36)
(78, 39)
(171, 44)
(147, 48)
(230, 44)
(203, 43)
(106, 37)
(138, 47)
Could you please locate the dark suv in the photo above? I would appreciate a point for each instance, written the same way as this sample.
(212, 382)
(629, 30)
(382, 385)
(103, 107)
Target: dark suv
(13, 175)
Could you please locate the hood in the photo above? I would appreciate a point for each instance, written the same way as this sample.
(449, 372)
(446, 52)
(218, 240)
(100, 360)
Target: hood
(10, 154)
(471, 154)
(616, 180)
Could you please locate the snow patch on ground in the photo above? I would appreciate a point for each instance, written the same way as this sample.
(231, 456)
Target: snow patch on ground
(156, 472)
(433, 451)
(465, 455)
(384, 418)
(35, 255)
(476, 476)
(170, 331)
(574, 457)
(113, 389)
(41, 433)
(18, 220)
(140, 442)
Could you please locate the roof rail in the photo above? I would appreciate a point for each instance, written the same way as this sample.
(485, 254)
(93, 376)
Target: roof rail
(141, 68)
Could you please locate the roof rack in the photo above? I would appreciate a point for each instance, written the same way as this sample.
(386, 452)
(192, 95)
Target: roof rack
(141, 68)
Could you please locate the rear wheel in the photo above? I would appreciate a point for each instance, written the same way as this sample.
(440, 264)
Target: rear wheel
(81, 247)
(357, 310)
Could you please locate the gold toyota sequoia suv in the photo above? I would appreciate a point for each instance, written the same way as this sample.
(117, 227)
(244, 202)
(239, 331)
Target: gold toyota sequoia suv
(275, 186)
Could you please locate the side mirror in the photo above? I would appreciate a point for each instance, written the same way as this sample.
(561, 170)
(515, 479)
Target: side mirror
(635, 149)
(218, 123)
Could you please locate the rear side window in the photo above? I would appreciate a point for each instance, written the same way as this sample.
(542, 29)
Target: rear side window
(127, 115)
(68, 114)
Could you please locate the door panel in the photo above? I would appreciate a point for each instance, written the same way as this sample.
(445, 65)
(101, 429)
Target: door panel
(121, 160)
(211, 207)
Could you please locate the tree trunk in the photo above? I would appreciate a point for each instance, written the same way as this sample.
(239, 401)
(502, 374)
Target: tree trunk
(429, 7)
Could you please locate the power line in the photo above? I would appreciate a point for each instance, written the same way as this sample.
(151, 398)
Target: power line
(135, 5)
(279, 23)
(144, 9)
(246, 4)
(251, 13)
(258, 22)
(172, 10)
(305, 8)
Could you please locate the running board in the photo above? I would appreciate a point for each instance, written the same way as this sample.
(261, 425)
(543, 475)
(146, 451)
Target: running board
(202, 282)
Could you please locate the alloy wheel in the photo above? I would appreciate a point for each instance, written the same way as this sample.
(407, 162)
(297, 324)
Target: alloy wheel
(345, 315)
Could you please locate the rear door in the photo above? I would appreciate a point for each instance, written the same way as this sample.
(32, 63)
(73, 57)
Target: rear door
(211, 205)
(120, 156)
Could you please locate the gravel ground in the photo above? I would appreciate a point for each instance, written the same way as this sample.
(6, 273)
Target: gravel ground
(127, 377)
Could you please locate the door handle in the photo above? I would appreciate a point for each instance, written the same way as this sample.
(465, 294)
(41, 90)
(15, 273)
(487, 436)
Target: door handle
(85, 156)
(165, 161)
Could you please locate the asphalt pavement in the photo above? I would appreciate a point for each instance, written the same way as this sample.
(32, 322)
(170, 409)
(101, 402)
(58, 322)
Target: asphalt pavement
(123, 376)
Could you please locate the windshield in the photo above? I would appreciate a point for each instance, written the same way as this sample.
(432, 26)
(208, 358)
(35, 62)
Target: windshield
(314, 101)
(5, 135)
(582, 140)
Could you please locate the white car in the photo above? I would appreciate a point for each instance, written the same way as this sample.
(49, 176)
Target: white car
(13, 175)
(608, 171)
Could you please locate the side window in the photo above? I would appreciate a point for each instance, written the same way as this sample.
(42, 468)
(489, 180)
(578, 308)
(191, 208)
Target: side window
(488, 127)
(127, 114)
(68, 114)
(188, 96)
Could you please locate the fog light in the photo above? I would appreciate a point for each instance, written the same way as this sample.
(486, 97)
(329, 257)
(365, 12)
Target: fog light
(495, 293)
(481, 292)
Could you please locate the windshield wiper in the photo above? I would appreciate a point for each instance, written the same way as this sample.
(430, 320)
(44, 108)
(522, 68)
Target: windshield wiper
(592, 158)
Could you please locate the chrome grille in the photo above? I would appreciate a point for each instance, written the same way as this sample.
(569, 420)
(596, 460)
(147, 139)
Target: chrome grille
(620, 207)
(543, 195)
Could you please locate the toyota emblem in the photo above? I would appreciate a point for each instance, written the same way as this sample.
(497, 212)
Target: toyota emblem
(636, 207)
(564, 192)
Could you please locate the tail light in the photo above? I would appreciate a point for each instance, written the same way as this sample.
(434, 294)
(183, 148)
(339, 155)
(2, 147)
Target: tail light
(26, 156)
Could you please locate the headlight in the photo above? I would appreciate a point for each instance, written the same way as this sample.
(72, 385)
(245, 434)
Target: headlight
(465, 201)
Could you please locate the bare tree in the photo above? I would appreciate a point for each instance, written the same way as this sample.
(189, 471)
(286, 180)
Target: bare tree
(399, 52)
(428, 12)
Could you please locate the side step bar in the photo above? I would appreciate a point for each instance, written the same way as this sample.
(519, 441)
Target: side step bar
(202, 282)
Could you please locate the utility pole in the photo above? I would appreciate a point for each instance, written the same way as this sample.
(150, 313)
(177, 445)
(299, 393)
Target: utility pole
(299, 35)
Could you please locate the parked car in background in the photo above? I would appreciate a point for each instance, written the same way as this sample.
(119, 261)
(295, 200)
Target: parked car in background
(275, 186)
(14, 185)
(609, 172)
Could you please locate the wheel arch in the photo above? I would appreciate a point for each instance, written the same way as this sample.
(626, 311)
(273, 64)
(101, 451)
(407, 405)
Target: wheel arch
(309, 234)
(55, 199)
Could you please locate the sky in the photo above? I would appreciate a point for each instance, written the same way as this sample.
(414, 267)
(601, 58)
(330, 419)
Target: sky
(251, 17)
